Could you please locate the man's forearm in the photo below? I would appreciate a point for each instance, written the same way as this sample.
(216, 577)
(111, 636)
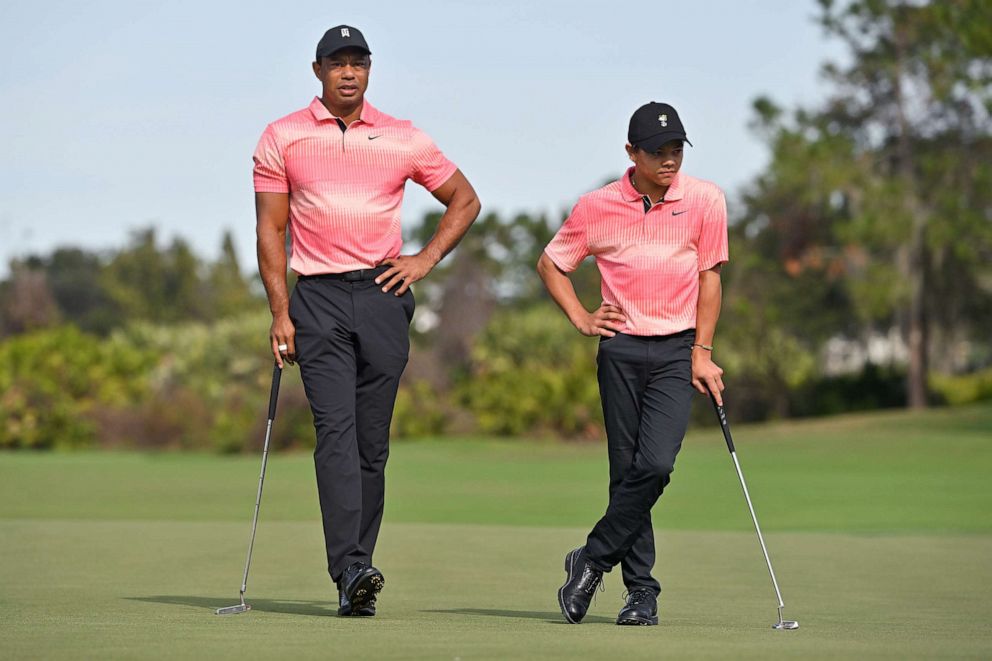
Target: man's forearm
(708, 306)
(457, 218)
(271, 248)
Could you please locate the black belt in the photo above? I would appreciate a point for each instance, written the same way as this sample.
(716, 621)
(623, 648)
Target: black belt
(349, 276)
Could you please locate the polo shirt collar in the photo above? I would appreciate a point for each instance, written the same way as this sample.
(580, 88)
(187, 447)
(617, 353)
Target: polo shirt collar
(674, 191)
(369, 114)
(627, 189)
(630, 193)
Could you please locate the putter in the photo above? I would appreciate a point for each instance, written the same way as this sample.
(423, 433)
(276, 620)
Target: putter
(273, 397)
(787, 625)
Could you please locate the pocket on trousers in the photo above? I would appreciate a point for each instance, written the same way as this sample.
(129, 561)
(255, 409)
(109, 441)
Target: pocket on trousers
(603, 341)
(292, 304)
(409, 304)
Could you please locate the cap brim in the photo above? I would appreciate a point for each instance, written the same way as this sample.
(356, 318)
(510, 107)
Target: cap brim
(654, 143)
(328, 53)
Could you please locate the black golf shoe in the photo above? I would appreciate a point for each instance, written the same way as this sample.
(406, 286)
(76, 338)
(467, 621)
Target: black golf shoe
(345, 609)
(581, 581)
(641, 608)
(360, 584)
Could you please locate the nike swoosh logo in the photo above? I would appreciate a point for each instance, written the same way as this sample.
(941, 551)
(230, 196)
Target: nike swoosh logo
(679, 213)
(373, 137)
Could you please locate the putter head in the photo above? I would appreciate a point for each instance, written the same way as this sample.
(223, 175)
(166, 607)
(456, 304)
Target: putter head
(233, 610)
(787, 625)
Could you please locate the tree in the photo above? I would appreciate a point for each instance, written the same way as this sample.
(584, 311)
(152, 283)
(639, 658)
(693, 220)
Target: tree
(26, 301)
(888, 186)
(74, 276)
(917, 95)
(227, 288)
(156, 285)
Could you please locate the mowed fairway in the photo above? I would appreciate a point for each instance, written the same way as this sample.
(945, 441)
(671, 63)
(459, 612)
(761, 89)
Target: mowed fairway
(879, 527)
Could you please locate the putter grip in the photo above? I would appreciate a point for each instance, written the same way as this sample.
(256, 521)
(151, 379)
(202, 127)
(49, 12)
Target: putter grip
(274, 393)
(721, 415)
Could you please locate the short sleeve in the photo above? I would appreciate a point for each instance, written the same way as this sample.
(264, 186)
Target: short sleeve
(569, 246)
(429, 167)
(712, 248)
(270, 170)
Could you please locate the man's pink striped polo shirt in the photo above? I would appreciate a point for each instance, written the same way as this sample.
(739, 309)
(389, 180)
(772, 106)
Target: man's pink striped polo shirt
(345, 187)
(649, 260)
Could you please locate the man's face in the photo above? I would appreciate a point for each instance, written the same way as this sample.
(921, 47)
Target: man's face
(344, 75)
(659, 167)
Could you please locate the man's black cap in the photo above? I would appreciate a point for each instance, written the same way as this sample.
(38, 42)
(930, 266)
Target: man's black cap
(654, 124)
(342, 36)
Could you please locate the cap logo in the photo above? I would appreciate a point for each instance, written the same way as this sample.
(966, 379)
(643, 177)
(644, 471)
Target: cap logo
(663, 119)
(345, 32)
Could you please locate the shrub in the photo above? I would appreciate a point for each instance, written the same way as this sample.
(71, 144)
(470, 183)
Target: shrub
(875, 387)
(963, 388)
(420, 410)
(54, 381)
(531, 372)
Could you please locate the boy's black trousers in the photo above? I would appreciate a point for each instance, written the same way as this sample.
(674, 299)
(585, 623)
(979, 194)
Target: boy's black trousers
(645, 384)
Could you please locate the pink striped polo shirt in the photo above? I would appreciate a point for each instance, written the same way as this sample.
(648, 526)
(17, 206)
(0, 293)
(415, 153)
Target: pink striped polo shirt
(345, 187)
(649, 260)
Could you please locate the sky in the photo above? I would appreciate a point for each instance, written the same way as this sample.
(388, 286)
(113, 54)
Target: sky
(121, 115)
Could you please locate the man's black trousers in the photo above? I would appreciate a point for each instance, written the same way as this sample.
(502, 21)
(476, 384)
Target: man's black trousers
(352, 344)
(645, 384)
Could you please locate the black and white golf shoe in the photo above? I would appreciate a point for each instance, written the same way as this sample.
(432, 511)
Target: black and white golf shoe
(641, 609)
(581, 581)
(345, 609)
(360, 584)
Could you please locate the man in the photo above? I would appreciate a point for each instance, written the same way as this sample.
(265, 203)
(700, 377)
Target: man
(659, 238)
(333, 175)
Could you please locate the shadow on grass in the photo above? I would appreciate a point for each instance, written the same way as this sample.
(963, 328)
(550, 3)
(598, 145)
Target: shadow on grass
(553, 617)
(325, 608)
(288, 606)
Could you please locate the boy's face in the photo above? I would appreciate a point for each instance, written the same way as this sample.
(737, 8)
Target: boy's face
(659, 167)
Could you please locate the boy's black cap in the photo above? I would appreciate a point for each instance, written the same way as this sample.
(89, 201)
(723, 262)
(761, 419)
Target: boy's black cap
(654, 124)
(342, 36)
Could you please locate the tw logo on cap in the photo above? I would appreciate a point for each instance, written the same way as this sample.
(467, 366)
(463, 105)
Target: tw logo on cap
(345, 32)
(663, 119)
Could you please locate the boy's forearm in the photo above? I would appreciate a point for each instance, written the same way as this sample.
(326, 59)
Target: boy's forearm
(560, 288)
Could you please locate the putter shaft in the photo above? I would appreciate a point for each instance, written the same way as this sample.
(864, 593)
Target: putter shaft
(725, 427)
(757, 529)
(273, 398)
(258, 502)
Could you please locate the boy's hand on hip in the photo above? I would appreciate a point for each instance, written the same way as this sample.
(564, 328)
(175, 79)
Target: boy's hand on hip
(607, 321)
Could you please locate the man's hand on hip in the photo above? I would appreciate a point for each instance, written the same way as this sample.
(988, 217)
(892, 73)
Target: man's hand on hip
(707, 376)
(404, 270)
(283, 337)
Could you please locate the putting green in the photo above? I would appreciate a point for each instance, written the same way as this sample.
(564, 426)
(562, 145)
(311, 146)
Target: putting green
(878, 526)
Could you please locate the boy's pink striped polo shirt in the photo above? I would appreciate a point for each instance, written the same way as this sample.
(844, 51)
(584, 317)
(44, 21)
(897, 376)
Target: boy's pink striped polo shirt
(649, 260)
(345, 187)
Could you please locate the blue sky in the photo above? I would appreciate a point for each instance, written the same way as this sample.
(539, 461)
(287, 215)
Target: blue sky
(119, 115)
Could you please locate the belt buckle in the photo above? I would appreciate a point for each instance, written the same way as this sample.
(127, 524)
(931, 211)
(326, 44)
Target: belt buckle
(354, 276)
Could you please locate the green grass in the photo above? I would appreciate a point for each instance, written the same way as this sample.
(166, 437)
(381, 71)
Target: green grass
(878, 524)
